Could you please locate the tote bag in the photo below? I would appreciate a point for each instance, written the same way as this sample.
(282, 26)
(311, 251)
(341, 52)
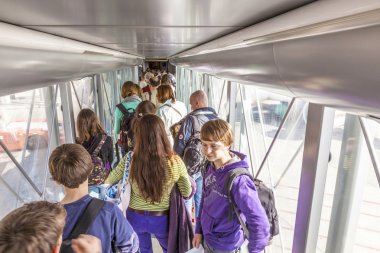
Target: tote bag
(120, 193)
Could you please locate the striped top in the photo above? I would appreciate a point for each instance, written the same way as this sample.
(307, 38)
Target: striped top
(117, 173)
(177, 174)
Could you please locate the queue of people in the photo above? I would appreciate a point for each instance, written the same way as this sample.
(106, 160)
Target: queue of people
(155, 161)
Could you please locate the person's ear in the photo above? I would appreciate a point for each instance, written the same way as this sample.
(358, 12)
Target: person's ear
(56, 248)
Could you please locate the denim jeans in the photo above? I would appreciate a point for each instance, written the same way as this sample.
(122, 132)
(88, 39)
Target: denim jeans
(145, 226)
(197, 196)
(209, 249)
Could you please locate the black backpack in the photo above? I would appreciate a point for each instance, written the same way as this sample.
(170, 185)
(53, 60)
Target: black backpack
(265, 195)
(125, 126)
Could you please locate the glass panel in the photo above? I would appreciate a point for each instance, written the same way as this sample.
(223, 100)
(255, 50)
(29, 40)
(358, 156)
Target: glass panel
(82, 95)
(13, 177)
(368, 230)
(216, 87)
(336, 143)
(52, 191)
(269, 108)
(9, 199)
(282, 170)
(27, 131)
(15, 113)
(107, 88)
(239, 127)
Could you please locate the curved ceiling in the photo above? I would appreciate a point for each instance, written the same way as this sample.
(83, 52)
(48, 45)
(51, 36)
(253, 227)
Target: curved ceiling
(332, 62)
(153, 29)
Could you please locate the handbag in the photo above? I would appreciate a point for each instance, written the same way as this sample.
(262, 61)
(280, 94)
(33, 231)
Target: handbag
(120, 192)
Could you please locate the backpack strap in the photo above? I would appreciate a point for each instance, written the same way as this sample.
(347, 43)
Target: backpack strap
(173, 109)
(85, 220)
(99, 147)
(122, 108)
(196, 126)
(126, 171)
(228, 183)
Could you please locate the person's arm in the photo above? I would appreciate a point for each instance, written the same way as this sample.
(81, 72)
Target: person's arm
(117, 121)
(117, 173)
(183, 182)
(247, 201)
(183, 136)
(125, 238)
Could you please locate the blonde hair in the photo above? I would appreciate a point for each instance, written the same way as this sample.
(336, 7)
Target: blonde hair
(34, 227)
(129, 89)
(165, 92)
(217, 130)
(70, 165)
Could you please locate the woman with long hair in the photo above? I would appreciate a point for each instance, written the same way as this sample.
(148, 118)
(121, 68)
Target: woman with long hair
(145, 107)
(93, 137)
(170, 110)
(155, 169)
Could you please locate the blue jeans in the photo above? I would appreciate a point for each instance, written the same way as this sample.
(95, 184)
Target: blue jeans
(145, 226)
(209, 249)
(197, 196)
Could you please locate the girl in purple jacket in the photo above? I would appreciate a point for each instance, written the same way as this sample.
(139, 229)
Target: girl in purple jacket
(219, 235)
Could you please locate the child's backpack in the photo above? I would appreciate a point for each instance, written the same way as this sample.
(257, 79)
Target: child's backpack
(99, 173)
(125, 126)
(265, 195)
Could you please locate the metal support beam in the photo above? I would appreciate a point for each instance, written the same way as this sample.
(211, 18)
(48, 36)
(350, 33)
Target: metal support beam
(68, 112)
(350, 183)
(313, 177)
(231, 100)
(98, 91)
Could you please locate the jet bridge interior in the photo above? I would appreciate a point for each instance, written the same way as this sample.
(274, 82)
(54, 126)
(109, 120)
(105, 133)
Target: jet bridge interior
(297, 80)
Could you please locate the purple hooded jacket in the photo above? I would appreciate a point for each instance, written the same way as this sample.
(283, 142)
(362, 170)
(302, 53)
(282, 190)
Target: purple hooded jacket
(212, 221)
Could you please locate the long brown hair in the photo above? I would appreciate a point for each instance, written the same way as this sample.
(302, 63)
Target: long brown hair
(88, 125)
(151, 151)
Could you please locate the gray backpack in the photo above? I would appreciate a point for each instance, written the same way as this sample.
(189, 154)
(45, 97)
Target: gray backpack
(192, 155)
(265, 195)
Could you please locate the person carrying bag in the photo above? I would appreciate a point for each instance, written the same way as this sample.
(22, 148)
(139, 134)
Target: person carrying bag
(120, 192)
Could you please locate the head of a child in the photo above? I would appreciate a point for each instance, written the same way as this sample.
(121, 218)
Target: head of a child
(217, 138)
(70, 165)
(34, 227)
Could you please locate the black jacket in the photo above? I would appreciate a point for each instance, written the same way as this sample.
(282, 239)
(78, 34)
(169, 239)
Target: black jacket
(106, 152)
